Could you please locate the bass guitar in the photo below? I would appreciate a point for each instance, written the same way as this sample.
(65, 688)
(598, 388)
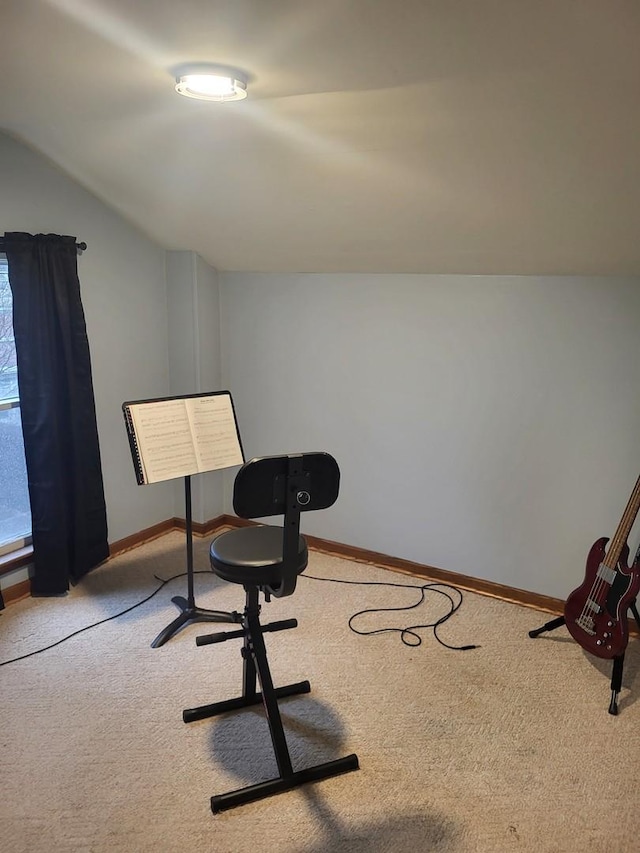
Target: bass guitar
(596, 612)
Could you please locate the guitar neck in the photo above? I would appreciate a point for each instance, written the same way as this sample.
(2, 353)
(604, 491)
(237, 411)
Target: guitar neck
(624, 528)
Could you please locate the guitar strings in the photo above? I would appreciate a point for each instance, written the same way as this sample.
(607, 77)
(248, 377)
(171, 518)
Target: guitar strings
(615, 547)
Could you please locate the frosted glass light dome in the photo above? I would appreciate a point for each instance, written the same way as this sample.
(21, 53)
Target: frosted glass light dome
(211, 82)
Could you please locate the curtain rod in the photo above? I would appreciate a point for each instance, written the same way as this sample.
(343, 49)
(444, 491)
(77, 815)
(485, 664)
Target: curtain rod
(81, 247)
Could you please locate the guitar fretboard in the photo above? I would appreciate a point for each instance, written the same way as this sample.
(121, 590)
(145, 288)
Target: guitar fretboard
(624, 528)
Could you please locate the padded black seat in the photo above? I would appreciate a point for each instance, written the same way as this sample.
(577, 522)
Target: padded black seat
(268, 559)
(253, 555)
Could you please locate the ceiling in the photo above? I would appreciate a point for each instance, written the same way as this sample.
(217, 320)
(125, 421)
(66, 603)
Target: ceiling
(436, 136)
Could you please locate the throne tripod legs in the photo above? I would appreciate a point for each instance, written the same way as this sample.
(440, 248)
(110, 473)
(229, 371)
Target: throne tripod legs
(618, 660)
(256, 669)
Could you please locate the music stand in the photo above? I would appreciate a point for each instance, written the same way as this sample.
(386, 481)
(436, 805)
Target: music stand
(171, 437)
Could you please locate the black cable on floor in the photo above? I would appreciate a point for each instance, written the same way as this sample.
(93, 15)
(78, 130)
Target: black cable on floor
(408, 635)
(163, 583)
(405, 633)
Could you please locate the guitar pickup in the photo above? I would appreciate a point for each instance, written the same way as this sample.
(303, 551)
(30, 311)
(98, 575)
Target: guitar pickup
(590, 604)
(606, 574)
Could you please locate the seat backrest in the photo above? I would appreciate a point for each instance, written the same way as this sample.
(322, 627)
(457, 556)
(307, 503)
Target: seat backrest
(286, 485)
(260, 488)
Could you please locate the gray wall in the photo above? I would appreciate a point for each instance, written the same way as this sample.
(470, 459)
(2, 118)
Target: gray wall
(484, 425)
(194, 360)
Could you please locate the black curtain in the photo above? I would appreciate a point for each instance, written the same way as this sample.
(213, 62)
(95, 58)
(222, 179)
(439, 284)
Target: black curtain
(58, 411)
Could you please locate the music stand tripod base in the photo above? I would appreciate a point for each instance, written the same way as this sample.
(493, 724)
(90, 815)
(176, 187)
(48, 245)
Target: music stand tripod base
(191, 613)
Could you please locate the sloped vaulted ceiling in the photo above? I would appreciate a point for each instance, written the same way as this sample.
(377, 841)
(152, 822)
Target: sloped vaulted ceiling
(480, 136)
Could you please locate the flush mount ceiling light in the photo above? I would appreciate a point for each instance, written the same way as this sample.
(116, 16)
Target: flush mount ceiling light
(208, 82)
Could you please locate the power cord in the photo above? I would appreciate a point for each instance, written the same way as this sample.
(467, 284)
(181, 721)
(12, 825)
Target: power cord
(405, 633)
(408, 635)
(163, 583)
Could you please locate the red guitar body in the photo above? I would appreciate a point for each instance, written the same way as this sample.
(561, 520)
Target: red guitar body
(596, 612)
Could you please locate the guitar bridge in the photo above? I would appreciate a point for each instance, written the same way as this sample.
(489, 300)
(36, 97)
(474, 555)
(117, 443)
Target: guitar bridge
(587, 624)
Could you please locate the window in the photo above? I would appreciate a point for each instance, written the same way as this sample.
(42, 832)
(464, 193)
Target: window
(15, 514)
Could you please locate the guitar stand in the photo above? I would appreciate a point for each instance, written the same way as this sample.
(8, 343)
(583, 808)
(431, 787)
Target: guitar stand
(618, 660)
(187, 606)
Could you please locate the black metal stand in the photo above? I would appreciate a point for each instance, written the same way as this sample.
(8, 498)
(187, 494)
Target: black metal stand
(255, 666)
(187, 606)
(618, 661)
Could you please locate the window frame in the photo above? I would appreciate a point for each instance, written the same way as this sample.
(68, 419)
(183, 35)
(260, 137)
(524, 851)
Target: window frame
(16, 545)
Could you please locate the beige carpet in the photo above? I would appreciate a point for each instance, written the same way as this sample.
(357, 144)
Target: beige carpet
(506, 747)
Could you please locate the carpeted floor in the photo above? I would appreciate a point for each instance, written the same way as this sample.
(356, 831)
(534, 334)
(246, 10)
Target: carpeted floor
(505, 747)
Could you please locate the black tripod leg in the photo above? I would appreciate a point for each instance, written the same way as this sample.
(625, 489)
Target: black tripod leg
(548, 626)
(191, 614)
(618, 665)
(616, 683)
(187, 606)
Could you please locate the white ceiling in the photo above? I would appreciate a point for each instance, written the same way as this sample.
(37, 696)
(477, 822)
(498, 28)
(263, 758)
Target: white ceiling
(444, 136)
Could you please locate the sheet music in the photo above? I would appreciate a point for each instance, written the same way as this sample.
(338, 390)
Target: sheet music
(214, 432)
(164, 440)
(185, 435)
